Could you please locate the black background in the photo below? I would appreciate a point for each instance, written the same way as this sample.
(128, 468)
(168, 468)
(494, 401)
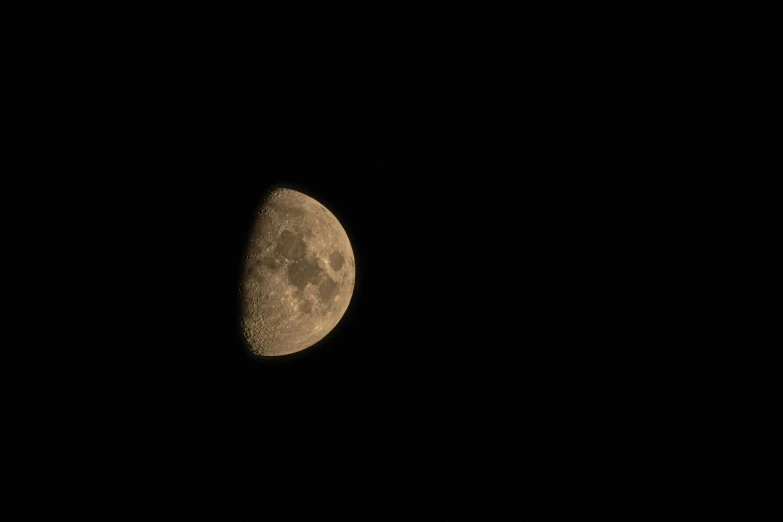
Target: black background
(565, 293)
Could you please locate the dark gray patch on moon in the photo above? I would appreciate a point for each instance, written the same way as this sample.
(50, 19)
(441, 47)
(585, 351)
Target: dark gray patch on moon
(303, 271)
(336, 261)
(328, 290)
(291, 246)
(306, 307)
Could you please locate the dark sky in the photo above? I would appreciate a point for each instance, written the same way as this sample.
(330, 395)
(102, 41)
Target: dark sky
(562, 270)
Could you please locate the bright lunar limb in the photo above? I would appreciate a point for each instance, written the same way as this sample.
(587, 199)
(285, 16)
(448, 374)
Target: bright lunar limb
(298, 275)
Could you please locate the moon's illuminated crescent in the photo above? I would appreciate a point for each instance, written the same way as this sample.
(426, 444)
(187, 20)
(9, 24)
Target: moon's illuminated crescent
(298, 275)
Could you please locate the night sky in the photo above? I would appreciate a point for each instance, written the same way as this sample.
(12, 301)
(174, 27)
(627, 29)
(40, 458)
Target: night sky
(560, 309)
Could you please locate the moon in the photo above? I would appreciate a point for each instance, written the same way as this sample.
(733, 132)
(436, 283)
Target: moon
(298, 275)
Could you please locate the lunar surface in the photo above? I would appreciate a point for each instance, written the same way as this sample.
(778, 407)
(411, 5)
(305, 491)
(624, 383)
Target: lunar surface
(298, 275)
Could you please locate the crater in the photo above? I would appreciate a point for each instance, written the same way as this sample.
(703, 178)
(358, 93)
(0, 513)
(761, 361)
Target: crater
(291, 246)
(267, 227)
(336, 261)
(251, 264)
